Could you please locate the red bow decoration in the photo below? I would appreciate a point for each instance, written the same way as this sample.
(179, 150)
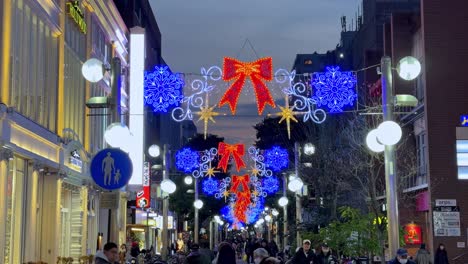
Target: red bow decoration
(225, 151)
(258, 72)
(243, 196)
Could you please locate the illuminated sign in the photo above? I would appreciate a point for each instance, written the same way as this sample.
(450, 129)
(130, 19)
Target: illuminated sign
(464, 120)
(413, 234)
(77, 14)
(144, 196)
(75, 160)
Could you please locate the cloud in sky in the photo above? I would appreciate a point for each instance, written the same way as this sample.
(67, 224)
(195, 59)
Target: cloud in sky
(200, 33)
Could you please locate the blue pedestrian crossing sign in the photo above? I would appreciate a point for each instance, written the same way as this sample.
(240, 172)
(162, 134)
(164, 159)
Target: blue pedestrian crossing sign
(111, 168)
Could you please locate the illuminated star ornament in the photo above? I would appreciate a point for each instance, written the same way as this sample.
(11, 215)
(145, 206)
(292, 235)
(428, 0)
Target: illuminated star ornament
(287, 114)
(163, 89)
(206, 114)
(187, 160)
(334, 89)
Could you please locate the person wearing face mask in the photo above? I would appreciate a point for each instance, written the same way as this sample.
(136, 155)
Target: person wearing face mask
(402, 257)
(304, 255)
(325, 256)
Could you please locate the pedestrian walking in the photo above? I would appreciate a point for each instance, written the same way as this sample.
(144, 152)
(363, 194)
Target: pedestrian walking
(325, 256)
(304, 255)
(401, 257)
(226, 254)
(441, 256)
(135, 250)
(423, 256)
(249, 249)
(110, 254)
(273, 248)
(195, 257)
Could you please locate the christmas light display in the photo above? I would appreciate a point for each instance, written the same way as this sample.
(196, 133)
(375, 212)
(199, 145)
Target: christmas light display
(235, 151)
(205, 168)
(259, 168)
(223, 189)
(210, 186)
(334, 89)
(297, 92)
(258, 72)
(201, 88)
(186, 160)
(163, 89)
(270, 184)
(276, 158)
(240, 188)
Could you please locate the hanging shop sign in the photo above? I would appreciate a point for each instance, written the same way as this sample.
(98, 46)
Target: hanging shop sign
(111, 168)
(413, 234)
(75, 160)
(143, 198)
(75, 12)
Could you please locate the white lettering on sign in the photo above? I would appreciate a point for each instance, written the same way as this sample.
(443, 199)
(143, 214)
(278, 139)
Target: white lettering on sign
(446, 223)
(146, 174)
(446, 202)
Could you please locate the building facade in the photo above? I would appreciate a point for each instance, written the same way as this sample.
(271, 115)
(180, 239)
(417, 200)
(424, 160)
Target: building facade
(49, 206)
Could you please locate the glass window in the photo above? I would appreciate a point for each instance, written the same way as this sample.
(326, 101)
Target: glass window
(33, 75)
(71, 222)
(14, 211)
(462, 159)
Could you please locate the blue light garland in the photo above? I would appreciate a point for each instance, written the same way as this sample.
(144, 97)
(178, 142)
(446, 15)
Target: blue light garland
(210, 186)
(163, 89)
(334, 89)
(276, 158)
(270, 184)
(186, 160)
(255, 211)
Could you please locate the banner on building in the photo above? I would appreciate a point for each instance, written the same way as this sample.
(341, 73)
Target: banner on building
(143, 198)
(413, 234)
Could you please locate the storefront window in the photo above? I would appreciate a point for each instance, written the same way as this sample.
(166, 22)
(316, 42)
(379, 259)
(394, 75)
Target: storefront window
(14, 211)
(71, 222)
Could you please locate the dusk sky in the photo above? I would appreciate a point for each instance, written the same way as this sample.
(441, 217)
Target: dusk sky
(199, 34)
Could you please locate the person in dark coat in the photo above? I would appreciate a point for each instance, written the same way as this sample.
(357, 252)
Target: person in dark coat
(249, 249)
(110, 255)
(325, 256)
(304, 255)
(273, 248)
(441, 256)
(135, 250)
(226, 254)
(401, 257)
(195, 257)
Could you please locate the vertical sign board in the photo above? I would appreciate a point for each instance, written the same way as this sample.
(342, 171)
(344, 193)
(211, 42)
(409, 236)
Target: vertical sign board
(446, 218)
(144, 196)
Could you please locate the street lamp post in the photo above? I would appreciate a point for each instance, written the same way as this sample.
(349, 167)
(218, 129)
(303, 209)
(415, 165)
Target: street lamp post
(166, 164)
(297, 156)
(389, 153)
(195, 229)
(285, 211)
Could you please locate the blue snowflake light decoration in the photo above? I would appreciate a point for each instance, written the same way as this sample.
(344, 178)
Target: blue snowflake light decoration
(334, 89)
(163, 89)
(255, 211)
(276, 158)
(270, 184)
(186, 160)
(210, 186)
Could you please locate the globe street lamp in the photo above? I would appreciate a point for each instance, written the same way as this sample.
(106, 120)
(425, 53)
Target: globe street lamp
(295, 184)
(372, 143)
(408, 69)
(198, 204)
(283, 201)
(154, 151)
(188, 180)
(168, 186)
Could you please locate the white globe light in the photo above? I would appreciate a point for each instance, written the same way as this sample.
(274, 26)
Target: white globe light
(217, 218)
(261, 221)
(309, 149)
(154, 151)
(389, 133)
(283, 201)
(295, 184)
(92, 70)
(168, 186)
(198, 204)
(268, 218)
(409, 68)
(117, 135)
(372, 143)
(275, 212)
(188, 180)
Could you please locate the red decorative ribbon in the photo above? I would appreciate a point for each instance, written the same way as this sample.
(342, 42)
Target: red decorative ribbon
(243, 196)
(258, 72)
(237, 151)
